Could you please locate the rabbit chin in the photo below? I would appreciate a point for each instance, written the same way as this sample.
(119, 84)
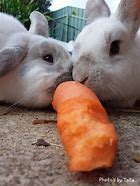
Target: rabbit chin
(38, 101)
(34, 98)
(35, 93)
(38, 96)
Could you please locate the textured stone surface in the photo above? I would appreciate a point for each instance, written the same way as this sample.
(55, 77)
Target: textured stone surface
(25, 164)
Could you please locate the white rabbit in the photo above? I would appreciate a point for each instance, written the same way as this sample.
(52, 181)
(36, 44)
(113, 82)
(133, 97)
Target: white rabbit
(106, 54)
(31, 65)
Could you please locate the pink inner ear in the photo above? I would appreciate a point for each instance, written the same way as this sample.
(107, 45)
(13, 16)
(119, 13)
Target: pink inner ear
(138, 5)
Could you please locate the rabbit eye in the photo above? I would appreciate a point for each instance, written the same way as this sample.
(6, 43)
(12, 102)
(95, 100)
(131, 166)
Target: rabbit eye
(115, 47)
(48, 58)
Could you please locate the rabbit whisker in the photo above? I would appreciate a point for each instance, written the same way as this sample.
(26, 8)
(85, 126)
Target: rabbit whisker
(12, 107)
(115, 90)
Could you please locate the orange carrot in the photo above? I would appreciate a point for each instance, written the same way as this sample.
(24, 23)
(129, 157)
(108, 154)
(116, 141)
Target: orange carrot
(89, 138)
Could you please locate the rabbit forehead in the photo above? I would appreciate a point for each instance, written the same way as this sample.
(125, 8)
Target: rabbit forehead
(53, 46)
(101, 29)
(41, 46)
(99, 35)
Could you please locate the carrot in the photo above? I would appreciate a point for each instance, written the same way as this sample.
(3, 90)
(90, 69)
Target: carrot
(89, 138)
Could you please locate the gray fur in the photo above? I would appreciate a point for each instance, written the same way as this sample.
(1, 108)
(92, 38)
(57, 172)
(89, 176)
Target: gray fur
(10, 58)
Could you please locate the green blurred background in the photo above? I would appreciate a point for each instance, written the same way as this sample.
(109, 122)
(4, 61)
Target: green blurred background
(65, 24)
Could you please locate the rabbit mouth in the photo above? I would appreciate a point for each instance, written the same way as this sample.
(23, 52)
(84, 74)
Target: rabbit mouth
(51, 90)
(61, 79)
(84, 81)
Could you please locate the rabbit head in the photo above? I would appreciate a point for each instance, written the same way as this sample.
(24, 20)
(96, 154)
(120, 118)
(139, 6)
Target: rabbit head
(105, 55)
(32, 65)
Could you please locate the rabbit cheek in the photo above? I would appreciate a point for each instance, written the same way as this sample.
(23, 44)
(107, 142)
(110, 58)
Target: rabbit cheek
(95, 80)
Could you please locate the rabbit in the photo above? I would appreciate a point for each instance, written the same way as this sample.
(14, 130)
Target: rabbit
(106, 53)
(32, 65)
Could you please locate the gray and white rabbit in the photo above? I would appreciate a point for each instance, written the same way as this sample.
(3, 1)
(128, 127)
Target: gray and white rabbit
(106, 54)
(31, 65)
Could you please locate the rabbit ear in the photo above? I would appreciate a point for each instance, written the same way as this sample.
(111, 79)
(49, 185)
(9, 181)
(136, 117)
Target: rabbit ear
(95, 9)
(10, 58)
(128, 13)
(39, 24)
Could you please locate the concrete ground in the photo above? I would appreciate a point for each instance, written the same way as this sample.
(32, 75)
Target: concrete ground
(24, 163)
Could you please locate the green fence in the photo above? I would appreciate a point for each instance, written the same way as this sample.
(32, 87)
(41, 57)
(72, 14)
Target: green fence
(67, 23)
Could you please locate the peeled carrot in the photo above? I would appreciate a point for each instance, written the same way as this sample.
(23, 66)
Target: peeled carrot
(89, 138)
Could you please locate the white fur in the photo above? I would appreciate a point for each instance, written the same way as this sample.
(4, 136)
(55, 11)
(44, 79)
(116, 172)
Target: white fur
(113, 78)
(33, 81)
(9, 26)
(68, 46)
